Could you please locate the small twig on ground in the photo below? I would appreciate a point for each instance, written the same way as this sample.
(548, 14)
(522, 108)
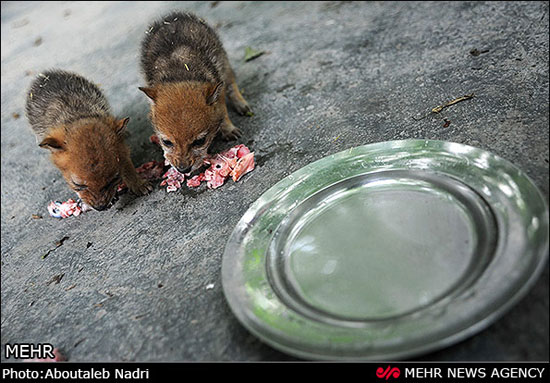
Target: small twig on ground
(57, 244)
(251, 53)
(439, 108)
(56, 279)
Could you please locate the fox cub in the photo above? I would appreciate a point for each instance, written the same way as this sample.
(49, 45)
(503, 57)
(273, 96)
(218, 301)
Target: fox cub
(72, 118)
(188, 79)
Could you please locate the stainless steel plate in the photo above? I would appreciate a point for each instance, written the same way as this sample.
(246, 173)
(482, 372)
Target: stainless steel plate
(386, 251)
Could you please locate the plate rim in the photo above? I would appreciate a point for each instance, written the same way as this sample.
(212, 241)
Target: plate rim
(440, 342)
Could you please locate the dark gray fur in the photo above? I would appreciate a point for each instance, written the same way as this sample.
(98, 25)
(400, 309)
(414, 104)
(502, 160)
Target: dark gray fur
(58, 97)
(181, 39)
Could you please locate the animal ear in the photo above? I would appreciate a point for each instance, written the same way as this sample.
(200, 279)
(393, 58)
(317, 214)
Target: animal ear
(150, 92)
(215, 94)
(120, 125)
(53, 144)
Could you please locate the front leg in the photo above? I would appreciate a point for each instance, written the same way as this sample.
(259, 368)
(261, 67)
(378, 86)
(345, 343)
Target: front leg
(229, 131)
(131, 178)
(237, 101)
(234, 96)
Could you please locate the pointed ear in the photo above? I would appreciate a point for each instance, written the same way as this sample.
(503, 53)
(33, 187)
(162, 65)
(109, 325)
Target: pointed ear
(150, 92)
(120, 125)
(215, 94)
(53, 144)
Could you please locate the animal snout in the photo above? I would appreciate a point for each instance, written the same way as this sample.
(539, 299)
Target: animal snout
(183, 169)
(105, 204)
(101, 207)
(179, 164)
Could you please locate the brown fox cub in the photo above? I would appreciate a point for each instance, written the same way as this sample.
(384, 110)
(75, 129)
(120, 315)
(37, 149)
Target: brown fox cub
(188, 78)
(71, 117)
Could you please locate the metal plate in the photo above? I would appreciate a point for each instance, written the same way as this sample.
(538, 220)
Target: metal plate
(386, 251)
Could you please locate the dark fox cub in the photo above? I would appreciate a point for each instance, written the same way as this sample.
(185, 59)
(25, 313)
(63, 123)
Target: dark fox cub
(188, 79)
(72, 118)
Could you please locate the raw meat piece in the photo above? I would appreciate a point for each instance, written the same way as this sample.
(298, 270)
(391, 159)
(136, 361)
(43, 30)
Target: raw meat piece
(60, 209)
(58, 357)
(234, 162)
(243, 166)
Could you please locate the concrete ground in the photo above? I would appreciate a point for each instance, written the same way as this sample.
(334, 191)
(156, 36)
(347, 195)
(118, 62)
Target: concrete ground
(130, 283)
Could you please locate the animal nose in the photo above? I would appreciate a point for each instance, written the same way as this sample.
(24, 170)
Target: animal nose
(183, 170)
(101, 207)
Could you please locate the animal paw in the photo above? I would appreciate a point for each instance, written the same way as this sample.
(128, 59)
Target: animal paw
(231, 134)
(243, 109)
(141, 187)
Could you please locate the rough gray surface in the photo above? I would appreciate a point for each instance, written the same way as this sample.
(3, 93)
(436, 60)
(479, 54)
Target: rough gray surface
(338, 75)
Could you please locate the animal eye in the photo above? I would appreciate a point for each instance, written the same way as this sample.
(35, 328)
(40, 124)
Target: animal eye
(167, 143)
(79, 187)
(199, 142)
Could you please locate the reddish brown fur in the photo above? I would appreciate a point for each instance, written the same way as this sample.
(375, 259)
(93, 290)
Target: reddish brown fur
(188, 78)
(72, 118)
(92, 152)
(181, 114)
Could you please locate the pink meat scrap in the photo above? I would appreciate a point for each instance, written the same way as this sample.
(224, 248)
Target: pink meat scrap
(173, 179)
(154, 139)
(234, 162)
(151, 171)
(58, 357)
(58, 209)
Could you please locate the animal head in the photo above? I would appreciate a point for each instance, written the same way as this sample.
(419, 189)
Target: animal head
(186, 118)
(88, 155)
